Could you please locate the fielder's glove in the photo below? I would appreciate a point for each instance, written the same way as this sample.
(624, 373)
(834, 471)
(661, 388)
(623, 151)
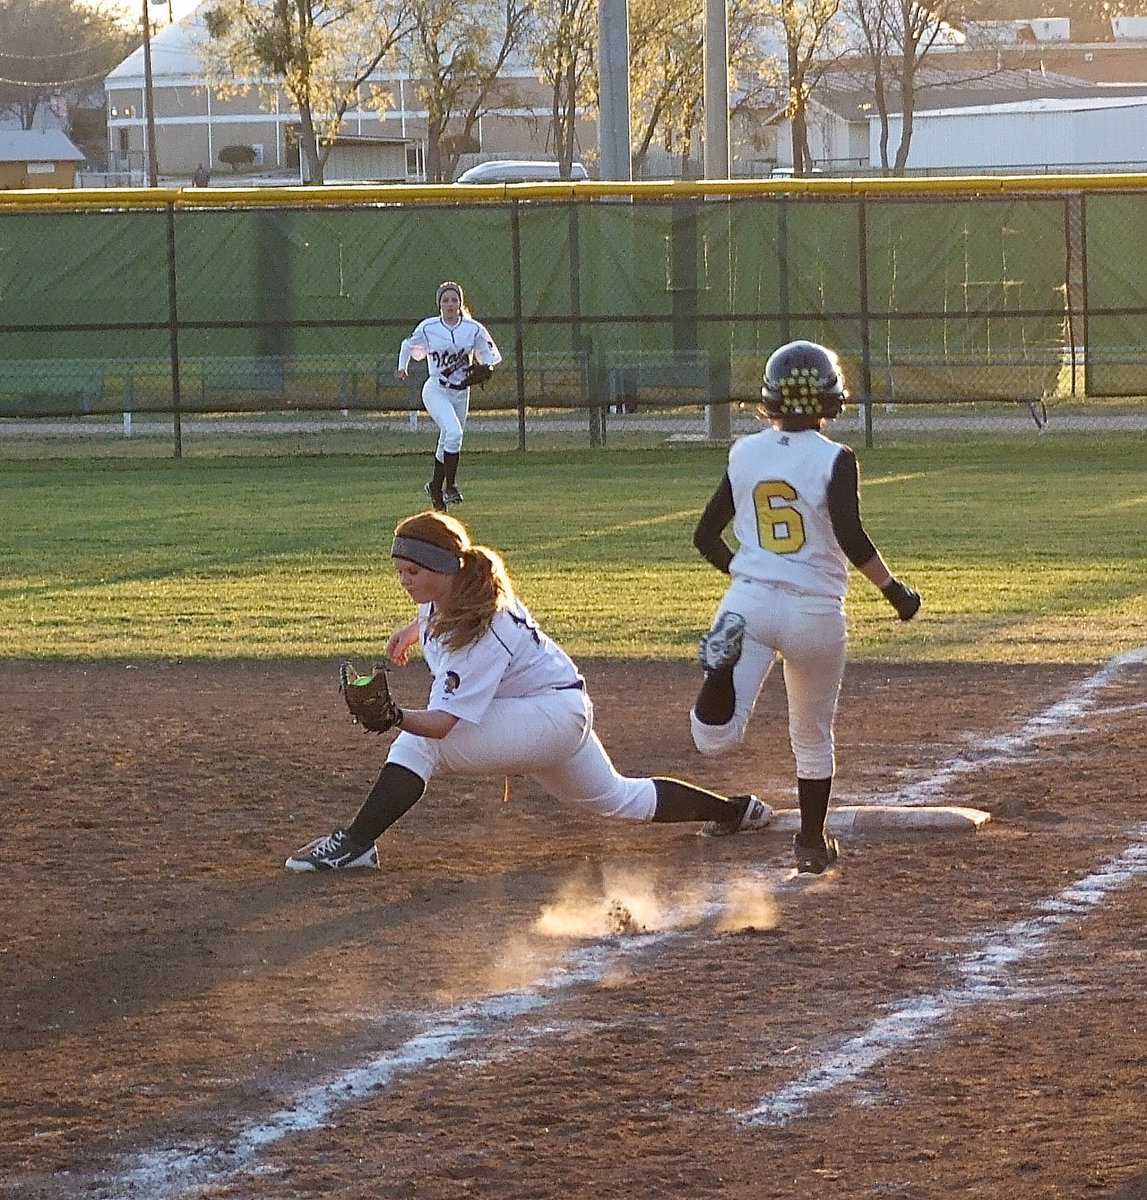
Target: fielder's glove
(477, 373)
(368, 698)
(903, 599)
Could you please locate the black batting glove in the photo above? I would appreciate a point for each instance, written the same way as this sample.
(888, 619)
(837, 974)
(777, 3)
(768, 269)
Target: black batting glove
(903, 599)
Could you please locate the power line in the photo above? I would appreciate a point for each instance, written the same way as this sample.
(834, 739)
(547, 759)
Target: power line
(53, 83)
(101, 44)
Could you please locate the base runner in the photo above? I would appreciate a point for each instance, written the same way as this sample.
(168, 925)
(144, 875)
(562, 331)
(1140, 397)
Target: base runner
(792, 497)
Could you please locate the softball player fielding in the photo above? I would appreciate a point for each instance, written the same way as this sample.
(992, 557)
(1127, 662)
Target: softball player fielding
(449, 342)
(505, 700)
(792, 496)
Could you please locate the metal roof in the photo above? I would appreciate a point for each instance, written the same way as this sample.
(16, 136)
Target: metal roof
(849, 93)
(31, 145)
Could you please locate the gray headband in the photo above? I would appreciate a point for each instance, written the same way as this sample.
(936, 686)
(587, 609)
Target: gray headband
(427, 555)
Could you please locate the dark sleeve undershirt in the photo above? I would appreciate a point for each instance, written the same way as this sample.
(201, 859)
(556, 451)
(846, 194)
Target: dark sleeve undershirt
(844, 509)
(707, 537)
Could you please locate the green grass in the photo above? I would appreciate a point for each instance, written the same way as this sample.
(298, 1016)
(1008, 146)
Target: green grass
(1030, 550)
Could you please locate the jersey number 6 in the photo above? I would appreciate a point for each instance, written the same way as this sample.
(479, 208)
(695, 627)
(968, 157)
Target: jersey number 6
(779, 525)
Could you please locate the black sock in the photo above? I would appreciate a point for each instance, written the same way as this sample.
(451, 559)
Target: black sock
(812, 796)
(450, 467)
(439, 475)
(717, 699)
(678, 801)
(395, 791)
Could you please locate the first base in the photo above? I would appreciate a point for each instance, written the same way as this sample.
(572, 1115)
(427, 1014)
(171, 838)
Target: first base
(885, 818)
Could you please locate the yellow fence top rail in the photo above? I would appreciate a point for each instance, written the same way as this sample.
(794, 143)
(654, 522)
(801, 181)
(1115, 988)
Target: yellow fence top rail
(363, 194)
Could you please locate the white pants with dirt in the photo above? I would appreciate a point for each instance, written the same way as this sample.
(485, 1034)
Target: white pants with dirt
(808, 632)
(548, 738)
(448, 409)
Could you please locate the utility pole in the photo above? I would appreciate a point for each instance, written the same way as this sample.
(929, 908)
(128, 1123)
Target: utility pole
(613, 83)
(149, 100)
(718, 413)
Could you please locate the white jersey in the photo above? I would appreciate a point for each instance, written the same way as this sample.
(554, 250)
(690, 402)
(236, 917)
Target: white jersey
(781, 521)
(449, 349)
(512, 659)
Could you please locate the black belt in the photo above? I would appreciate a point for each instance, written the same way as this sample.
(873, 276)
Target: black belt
(579, 686)
(456, 387)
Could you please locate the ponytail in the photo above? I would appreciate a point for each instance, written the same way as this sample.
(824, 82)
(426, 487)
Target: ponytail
(481, 588)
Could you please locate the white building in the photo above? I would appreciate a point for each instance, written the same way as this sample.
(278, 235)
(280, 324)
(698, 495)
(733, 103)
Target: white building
(1107, 132)
(193, 122)
(1004, 120)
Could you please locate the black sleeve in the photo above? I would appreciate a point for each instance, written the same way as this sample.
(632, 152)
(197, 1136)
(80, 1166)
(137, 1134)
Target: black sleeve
(844, 509)
(707, 537)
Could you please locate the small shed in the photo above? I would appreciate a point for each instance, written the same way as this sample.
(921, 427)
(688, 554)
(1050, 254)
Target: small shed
(31, 158)
(354, 158)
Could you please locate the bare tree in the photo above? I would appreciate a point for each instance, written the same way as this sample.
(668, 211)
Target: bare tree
(563, 44)
(457, 58)
(322, 53)
(52, 47)
(807, 26)
(667, 55)
(666, 77)
(899, 35)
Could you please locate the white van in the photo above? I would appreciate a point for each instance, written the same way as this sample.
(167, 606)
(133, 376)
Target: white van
(519, 171)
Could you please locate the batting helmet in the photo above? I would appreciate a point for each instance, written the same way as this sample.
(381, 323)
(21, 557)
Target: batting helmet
(803, 379)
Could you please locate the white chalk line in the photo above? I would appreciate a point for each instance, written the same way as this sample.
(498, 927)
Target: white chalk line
(168, 1173)
(165, 1173)
(1054, 721)
(985, 981)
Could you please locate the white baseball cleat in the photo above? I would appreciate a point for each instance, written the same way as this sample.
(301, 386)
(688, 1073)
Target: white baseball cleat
(721, 646)
(755, 815)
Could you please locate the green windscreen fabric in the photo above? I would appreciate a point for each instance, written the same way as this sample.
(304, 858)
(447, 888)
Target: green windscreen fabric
(966, 298)
(1116, 364)
(665, 301)
(81, 294)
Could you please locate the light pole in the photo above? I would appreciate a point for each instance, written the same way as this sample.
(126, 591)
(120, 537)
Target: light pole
(149, 101)
(613, 84)
(718, 416)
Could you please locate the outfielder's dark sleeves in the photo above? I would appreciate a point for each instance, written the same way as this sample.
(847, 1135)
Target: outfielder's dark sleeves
(844, 509)
(707, 537)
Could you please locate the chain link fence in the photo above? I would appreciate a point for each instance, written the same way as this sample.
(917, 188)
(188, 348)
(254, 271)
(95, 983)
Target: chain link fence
(614, 318)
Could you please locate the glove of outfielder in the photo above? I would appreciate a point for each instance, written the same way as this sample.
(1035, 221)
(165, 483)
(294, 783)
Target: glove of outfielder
(476, 373)
(903, 599)
(368, 698)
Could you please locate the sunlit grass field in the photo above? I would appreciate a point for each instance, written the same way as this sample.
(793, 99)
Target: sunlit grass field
(1025, 551)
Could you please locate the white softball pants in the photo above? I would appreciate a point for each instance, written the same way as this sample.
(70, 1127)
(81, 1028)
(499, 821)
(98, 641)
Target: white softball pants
(808, 632)
(548, 738)
(448, 409)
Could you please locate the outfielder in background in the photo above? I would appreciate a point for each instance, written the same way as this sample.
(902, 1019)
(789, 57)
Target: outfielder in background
(450, 342)
(504, 700)
(792, 496)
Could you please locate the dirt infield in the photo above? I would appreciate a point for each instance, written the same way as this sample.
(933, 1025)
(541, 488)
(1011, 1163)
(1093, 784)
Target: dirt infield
(938, 1018)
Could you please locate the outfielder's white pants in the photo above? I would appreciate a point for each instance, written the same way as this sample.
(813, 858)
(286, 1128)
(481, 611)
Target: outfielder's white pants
(808, 632)
(448, 409)
(548, 738)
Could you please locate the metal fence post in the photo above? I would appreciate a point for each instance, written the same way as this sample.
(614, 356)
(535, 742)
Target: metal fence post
(865, 325)
(519, 342)
(173, 334)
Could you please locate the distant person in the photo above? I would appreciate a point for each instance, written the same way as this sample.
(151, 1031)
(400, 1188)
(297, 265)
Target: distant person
(792, 496)
(201, 177)
(504, 700)
(449, 342)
